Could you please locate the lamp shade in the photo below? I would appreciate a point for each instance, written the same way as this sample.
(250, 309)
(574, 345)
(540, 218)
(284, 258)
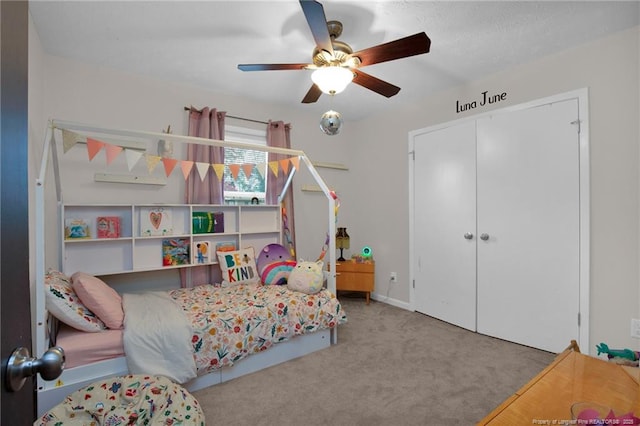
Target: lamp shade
(332, 79)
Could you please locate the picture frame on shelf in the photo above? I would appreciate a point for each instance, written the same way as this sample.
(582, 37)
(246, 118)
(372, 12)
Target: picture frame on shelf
(156, 221)
(201, 252)
(76, 228)
(175, 251)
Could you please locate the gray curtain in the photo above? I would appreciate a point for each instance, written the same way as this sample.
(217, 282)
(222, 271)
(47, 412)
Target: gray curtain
(278, 135)
(207, 123)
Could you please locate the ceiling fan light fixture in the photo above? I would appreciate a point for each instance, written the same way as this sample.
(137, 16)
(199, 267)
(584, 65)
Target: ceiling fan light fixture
(333, 79)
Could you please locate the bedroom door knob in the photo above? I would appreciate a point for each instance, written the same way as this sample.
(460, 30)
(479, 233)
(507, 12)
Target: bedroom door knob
(21, 365)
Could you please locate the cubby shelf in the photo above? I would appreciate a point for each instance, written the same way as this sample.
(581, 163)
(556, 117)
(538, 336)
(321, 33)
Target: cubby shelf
(135, 250)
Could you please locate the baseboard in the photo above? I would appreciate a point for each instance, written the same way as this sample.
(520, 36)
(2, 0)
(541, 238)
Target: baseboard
(394, 302)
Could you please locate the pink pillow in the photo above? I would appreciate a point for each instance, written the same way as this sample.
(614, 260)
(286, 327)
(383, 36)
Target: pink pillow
(101, 299)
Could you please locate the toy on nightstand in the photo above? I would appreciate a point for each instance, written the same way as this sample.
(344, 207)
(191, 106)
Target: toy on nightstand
(619, 356)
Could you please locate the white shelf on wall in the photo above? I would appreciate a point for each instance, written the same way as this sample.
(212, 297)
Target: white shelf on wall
(324, 165)
(313, 188)
(136, 251)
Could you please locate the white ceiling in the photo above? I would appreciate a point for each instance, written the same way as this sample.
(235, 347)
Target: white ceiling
(202, 42)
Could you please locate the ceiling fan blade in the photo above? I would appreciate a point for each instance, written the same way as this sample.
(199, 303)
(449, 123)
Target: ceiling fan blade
(402, 48)
(375, 84)
(272, 67)
(314, 13)
(312, 95)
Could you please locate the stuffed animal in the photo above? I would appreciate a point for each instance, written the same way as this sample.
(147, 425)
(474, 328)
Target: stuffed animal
(307, 277)
(274, 264)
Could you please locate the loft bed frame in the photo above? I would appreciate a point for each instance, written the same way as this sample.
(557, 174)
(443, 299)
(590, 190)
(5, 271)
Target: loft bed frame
(50, 393)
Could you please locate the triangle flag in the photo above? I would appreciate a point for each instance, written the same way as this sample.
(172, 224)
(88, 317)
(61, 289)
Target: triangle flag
(112, 152)
(273, 165)
(93, 147)
(262, 167)
(296, 162)
(69, 139)
(132, 157)
(219, 169)
(285, 165)
(235, 169)
(247, 168)
(169, 164)
(152, 161)
(186, 167)
(202, 168)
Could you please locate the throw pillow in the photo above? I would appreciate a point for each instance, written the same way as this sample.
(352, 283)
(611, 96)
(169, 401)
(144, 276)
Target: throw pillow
(101, 299)
(238, 267)
(306, 277)
(63, 303)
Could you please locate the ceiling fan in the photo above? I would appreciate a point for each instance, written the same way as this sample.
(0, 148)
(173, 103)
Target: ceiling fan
(335, 64)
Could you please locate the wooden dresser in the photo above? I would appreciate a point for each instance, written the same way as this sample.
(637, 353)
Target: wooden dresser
(571, 377)
(353, 276)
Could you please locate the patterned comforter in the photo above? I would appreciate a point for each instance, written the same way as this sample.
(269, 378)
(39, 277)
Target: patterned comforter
(230, 323)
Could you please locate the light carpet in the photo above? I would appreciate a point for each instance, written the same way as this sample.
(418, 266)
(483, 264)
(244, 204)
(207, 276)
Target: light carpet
(390, 367)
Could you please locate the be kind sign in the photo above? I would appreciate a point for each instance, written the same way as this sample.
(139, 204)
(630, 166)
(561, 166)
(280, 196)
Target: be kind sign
(238, 267)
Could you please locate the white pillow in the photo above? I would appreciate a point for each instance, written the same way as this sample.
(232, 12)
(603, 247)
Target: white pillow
(63, 303)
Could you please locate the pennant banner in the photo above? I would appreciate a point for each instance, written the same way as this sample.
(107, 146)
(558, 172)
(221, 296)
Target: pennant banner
(296, 162)
(69, 139)
(112, 152)
(219, 169)
(285, 165)
(247, 169)
(169, 164)
(186, 168)
(262, 168)
(93, 147)
(152, 162)
(235, 169)
(273, 165)
(202, 168)
(132, 157)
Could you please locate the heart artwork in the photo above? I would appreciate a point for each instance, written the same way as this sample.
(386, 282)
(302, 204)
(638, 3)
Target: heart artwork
(155, 218)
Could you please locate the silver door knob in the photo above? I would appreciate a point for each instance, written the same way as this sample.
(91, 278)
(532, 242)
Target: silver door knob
(21, 365)
(468, 236)
(484, 237)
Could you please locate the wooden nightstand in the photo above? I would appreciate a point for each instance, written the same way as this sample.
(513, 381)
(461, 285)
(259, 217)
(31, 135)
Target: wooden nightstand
(352, 276)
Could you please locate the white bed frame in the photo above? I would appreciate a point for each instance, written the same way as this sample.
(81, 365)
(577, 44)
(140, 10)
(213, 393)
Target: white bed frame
(50, 393)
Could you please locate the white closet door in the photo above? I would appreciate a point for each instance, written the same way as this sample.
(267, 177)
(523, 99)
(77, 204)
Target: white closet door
(445, 209)
(528, 205)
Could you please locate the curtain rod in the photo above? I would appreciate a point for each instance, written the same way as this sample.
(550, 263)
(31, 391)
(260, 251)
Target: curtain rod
(230, 116)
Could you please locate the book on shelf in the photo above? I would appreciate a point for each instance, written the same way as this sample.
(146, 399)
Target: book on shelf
(76, 228)
(175, 251)
(226, 246)
(155, 221)
(108, 226)
(207, 222)
(201, 252)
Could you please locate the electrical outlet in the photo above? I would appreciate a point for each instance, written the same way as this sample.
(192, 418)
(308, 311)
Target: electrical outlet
(635, 328)
(393, 277)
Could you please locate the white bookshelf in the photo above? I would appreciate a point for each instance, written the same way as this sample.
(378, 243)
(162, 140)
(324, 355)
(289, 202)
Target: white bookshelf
(134, 251)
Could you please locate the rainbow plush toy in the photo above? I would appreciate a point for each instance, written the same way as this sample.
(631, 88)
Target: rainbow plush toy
(274, 264)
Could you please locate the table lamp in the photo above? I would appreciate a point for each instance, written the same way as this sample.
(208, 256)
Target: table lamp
(342, 241)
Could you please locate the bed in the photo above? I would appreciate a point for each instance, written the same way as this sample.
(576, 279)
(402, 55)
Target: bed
(198, 336)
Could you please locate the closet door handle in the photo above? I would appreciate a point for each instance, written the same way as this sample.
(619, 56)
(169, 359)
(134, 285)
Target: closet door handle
(468, 236)
(484, 237)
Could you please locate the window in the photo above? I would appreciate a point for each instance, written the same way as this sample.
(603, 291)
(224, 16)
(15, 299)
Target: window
(243, 189)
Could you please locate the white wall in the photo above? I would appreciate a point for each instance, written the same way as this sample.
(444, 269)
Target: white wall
(373, 192)
(609, 68)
